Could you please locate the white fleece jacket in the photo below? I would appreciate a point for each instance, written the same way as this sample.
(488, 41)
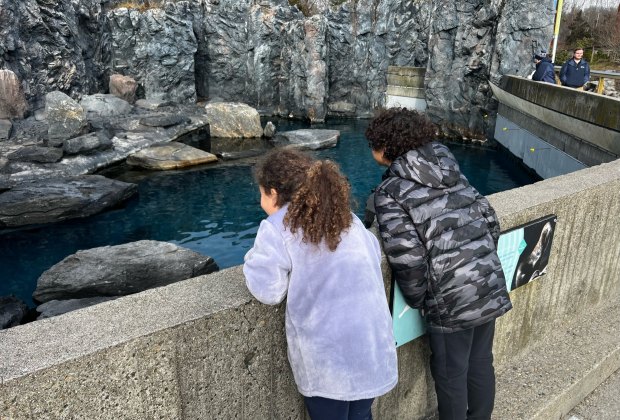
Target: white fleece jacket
(338, 325)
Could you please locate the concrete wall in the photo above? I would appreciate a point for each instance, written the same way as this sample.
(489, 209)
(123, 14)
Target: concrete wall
(203, 348)
(566, 125)
(405, 88)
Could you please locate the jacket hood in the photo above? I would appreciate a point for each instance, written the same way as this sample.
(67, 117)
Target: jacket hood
(432, 165)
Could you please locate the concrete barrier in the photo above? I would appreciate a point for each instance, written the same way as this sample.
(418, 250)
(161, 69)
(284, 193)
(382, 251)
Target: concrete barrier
(203, 348)
(405, 87)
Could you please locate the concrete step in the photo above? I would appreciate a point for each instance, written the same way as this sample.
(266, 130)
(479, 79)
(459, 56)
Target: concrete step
(561, 369)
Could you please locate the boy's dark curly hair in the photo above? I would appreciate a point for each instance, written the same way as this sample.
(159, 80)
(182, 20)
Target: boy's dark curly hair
(317, 192)
(399, 130)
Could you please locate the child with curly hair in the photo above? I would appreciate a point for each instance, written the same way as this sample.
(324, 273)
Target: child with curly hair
(314, 251)
(440, 237)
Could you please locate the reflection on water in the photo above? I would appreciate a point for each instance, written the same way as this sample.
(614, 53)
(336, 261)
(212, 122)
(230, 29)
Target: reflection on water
(213, 210)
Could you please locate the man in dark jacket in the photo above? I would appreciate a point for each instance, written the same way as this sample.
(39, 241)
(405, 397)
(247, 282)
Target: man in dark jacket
(575, 72)
(544, 68)
(440, 237)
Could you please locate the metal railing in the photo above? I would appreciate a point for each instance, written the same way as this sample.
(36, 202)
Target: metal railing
(601, 75)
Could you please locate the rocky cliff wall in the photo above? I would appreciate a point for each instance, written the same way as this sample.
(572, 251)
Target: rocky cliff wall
(323, 57)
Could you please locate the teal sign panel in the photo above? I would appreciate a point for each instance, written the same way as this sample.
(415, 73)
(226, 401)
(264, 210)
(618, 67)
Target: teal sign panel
(524, 254)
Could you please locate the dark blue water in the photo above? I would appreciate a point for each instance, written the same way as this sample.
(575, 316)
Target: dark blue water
(212, 210)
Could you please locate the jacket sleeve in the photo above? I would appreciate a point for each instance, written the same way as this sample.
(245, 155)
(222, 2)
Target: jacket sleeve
(563, 73)
(267, 266)
(491, 217)
(404, 250)
(586, 75)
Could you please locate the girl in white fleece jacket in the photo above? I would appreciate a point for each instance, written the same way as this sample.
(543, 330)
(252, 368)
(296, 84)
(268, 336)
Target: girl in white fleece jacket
(312, 249)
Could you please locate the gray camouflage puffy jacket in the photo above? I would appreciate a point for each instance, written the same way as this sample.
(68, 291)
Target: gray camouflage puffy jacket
(440, 237)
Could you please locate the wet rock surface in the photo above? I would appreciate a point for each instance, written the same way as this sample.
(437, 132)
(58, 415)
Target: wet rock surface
(56, 199)
(307, 139)
(170, 156)
(12, 311)
(120, 270)
(59, 307)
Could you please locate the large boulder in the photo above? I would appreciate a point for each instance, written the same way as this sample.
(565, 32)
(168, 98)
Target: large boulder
(12, 100)
(233, 120)
(123, 87)
(59, 307)
(12, 311)
(120, 270)
(102, 105)
(56, 199)
(170, 156)
(66, 118)
(311, 139)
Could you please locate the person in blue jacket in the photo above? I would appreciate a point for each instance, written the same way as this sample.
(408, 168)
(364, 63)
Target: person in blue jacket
(575, 72)
(544, 68)
(313, 251)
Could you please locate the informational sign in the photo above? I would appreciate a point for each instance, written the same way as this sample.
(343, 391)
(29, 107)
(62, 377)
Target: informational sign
(524, 254)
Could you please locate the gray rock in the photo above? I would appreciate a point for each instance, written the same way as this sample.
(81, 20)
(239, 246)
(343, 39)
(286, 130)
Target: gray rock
(36, 154)
(152, 104)
(65, 117)
(164, 120)
(312, 139)
(5, 129)
(40, 114)
(56, 199)
(157, 49)
(102, 105)
(270, 130)
(5, 183)
(120, 270)
(87, 143)
(342, 108)
(233, 120)
(170, 156)
(123, 87)
(12, 311)
(59, 307)
(12, 100)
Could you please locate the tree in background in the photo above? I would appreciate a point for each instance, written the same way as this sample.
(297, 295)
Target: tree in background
(593, 25)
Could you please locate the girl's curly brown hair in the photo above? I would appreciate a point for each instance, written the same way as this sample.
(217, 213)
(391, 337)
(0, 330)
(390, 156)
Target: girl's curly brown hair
(399, 130)
(317, 192)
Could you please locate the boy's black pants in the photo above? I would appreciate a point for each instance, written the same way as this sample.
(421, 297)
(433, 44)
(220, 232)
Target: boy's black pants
(462, 367)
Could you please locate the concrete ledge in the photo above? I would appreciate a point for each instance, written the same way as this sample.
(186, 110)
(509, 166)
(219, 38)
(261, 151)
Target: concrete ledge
(585, 106)
(416, 81)
(410, 92)
(407, 71)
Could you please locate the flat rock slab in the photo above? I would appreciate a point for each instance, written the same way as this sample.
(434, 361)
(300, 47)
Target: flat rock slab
(56, 199)
(120, 270)
(163, 120)
(170, 156)
(88, 143)
(152, 104)
(12, 311)
(307, 139)
(37, 154)
(59, 307)
(233, 120)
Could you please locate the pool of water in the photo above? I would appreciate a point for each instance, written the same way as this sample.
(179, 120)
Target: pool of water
(212, 210)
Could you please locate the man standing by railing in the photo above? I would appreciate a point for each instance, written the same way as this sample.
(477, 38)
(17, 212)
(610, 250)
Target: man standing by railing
(575, 72)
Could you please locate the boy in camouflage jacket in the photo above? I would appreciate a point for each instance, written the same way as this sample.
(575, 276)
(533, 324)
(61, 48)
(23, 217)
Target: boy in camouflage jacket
(440, 237)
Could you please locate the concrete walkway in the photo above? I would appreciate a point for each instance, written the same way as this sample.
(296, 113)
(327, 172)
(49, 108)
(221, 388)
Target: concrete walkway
(562, 369)
(602, 404)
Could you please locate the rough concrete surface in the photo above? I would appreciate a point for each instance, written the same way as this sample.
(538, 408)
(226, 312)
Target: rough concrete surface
(602, 404)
